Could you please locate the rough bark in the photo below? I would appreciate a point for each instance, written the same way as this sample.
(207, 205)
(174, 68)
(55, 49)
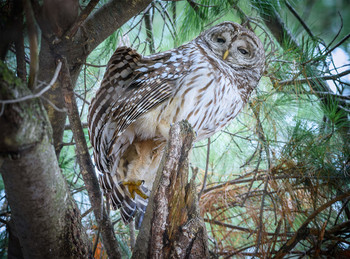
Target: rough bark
(46, 219)
(172, 227)
(14, 250)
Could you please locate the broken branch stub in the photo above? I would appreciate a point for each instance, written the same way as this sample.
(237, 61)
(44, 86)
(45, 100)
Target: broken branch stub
(173, 227)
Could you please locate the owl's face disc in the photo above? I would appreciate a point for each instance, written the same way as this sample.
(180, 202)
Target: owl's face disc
(234, 45)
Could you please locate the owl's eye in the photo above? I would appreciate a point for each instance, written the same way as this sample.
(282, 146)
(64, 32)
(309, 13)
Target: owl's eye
(220, 40)
(243, 51)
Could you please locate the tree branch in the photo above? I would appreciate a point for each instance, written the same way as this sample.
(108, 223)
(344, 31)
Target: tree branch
(303, 230)
(82, 17)
(275, 23)
(149, 30)
(206, 170)
(33, 43)
(294, 12)
(110, 17)
(41, 92)
(86, 166)
(308, 79)
(265, 144)
(46, 218)
(172, 227)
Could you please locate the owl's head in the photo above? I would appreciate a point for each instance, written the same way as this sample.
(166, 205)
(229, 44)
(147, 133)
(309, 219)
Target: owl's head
(235, 45)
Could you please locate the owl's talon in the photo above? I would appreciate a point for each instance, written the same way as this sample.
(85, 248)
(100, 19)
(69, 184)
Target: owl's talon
(133, 187)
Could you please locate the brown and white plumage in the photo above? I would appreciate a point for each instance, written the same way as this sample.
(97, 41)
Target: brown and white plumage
(206, 81)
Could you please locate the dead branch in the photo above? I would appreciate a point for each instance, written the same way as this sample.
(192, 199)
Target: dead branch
(303, 230)
(82, 17)
(172, 227)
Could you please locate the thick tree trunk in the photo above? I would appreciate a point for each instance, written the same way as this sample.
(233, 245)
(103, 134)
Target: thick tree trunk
(172, 227)
(46, 219)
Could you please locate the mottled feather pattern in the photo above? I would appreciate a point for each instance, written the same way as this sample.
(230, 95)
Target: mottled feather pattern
(206, 81)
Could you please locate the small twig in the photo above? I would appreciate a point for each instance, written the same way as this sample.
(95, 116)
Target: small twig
(5, 222)
(161, 12)
(149, 30)
(195, 7)
(302, 231)
(77, 190)
(307, 79)
(172, 22)
(338, 44)
(249, 160)
(206, 170)
(82, 17)
(274, 239)
(92, 65)
(116, 221)
(307, 29)
(85, 92)
(141, 19)
(341, 27)
(137, 34)
(263, 178)
(41, 92)
(254, 177)
(68, 127)
(67, 144)
(87, 212)
(202, 5)
(262, 205)
(219, 223)
(53, 105)
(86, 166)
(261, 135)
(82, 98)
(33, 43)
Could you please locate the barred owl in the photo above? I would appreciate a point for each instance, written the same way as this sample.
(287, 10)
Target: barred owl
(206, 82)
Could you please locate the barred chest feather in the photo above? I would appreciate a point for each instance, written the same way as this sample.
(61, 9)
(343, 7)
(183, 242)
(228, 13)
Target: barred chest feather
(206, 98)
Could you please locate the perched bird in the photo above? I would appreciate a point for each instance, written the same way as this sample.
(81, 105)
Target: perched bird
(206, 82)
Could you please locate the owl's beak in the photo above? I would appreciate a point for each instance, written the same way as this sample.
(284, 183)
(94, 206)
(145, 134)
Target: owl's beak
(225, 55)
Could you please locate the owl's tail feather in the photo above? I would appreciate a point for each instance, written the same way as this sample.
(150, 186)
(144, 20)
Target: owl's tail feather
(121, 199)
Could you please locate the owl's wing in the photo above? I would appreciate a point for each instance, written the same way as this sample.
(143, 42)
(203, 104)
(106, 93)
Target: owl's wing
(133, 85)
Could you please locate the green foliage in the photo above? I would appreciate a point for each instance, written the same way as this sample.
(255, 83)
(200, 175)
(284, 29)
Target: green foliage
(200, 16)
(6, 75)
(3, 243)
(293, 134)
